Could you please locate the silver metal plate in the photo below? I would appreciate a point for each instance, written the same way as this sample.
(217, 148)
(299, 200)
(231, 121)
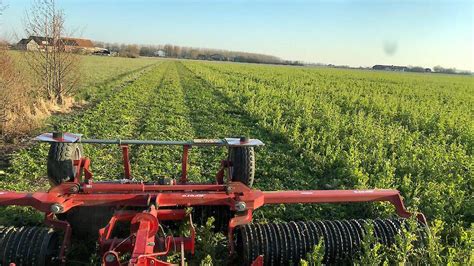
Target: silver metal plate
(236, 142)
(68, 138)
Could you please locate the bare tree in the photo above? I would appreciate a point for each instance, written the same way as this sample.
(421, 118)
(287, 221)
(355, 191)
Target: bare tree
(130, 50)
(56, 67)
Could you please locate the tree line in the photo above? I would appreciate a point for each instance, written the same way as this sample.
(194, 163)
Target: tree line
(184, 52)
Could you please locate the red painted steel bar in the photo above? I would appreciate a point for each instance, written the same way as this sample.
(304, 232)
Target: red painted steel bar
(144, 240)
(66, 227)
(192, 195)
(184, 164)
(199, 197)
(126, 162)
(328, 196)
(38, 200)
(338, 196)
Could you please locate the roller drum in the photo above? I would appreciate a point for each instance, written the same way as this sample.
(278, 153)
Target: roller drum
(28, 246)
(287, 243)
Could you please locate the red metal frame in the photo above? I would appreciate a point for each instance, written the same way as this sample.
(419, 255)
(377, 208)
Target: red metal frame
(184, 164)
(64, 226)
(234, 194)
(167, 202)
(188, 195)
(126, 162)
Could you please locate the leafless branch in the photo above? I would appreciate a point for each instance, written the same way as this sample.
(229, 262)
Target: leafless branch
(55, 66)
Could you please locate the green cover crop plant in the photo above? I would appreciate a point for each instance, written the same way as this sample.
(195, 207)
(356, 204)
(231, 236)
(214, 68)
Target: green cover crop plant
(324, 129)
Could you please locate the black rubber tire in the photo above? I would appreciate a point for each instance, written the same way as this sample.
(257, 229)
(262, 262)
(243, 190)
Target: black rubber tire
(61, 169)
(243, 164)
(60, 165)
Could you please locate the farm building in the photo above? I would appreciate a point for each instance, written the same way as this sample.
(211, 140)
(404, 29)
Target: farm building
(402, 68)
(33, 43)
(101, 51)
(390, 68)
(217, 57)
(160, 53)
(36, 43)
(75, 44)
(27, 44)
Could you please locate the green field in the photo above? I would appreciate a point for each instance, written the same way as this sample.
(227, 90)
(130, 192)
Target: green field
(97, 73)
(323, 129)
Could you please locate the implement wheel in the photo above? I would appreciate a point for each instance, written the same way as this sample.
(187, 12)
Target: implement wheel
(60, 164)
(243, 164)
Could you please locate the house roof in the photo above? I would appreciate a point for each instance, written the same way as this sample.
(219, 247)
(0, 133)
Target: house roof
(24, 41)
(40, 40)
(37, 39)
(78, 42)
(85, 43)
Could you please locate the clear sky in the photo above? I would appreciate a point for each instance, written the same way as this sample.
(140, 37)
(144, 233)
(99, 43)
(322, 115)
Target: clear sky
(356, 33)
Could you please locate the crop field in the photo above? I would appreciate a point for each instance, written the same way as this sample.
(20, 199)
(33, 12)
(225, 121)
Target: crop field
(323, 129)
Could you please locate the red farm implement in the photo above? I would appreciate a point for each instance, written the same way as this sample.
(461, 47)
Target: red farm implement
(76, 204)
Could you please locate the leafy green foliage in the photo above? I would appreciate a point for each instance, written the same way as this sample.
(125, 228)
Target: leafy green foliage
(210, 245)
(324, 129)
(315, 258)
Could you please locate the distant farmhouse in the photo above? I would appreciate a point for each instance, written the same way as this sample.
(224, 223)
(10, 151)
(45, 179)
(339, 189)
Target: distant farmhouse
(401, 68)
(214, 57)
(217, 57)
(159, 53)
(390, 68)
(101, 52)
(75, 44)
(37, 43)
(33, 43)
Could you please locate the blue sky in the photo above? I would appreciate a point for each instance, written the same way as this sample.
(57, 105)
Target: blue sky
(356, 33)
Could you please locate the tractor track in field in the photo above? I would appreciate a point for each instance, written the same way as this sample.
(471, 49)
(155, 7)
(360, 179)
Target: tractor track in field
(167, 119)
(141, 125)
(280, 166)
(127, 113)
(220, 116)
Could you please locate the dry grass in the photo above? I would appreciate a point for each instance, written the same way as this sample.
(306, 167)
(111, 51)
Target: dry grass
(16, 103)
(21, 107)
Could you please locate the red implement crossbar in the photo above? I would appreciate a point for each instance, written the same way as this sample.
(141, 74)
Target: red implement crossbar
(108, 194)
